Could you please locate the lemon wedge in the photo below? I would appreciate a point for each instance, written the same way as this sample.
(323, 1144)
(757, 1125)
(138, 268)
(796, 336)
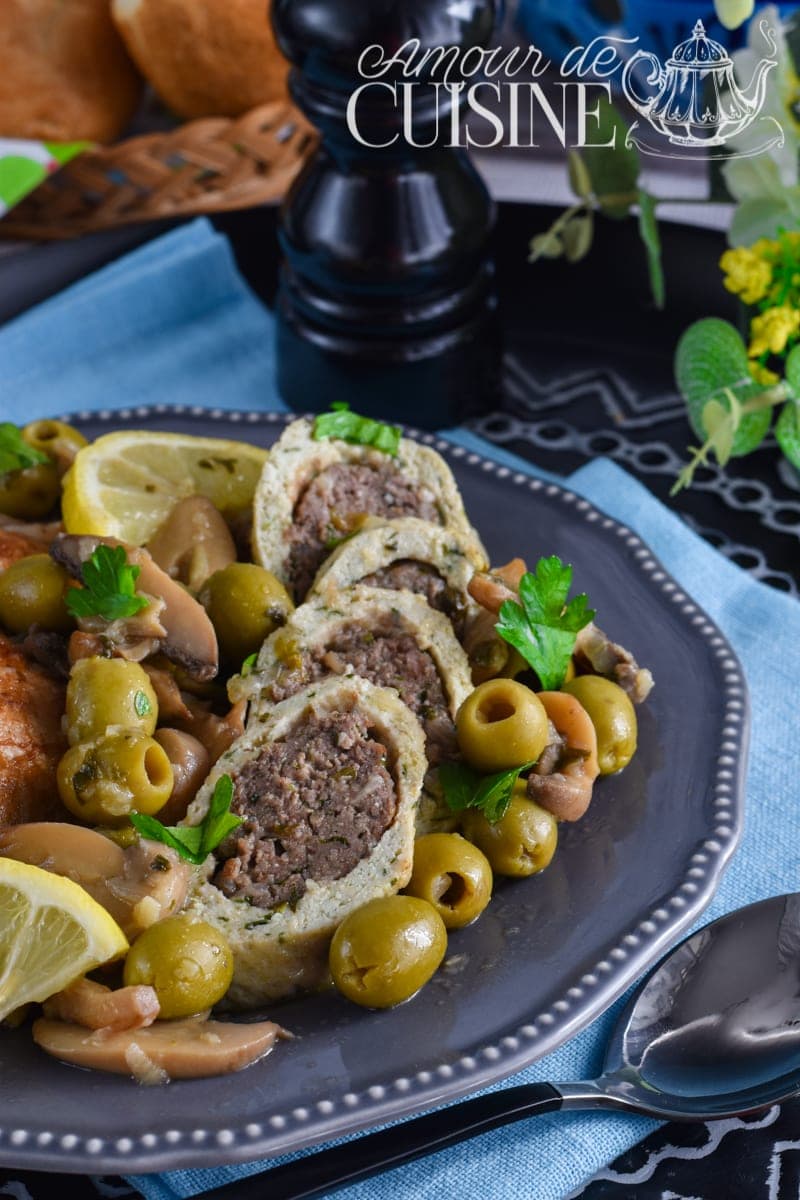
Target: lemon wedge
(51, 932)
(124, 485)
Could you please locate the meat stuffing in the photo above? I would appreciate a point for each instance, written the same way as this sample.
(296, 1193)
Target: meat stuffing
(314, 804)
(425, 580)
(334, 505)
(387, 658)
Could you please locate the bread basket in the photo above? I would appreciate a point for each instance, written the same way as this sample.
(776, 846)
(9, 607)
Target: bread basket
(208, 165)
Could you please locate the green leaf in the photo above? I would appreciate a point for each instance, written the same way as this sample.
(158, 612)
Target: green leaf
(546, 245)
(109, 589)
(543, 627)
(248, 665)
(579, 178)
(15, 453)
(195, 842)
(711, 358)
(720, 427)
(648, 231)
(348, 426)
(577, 236)
(764, 217)
(791, 370)
(142, 705)
(613, 170)
(787, 432)
(464, 788)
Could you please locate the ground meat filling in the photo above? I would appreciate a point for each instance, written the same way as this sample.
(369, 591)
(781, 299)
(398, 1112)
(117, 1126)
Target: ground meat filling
(335, 503)
(388, 658)
(409, 575)
(313, 805)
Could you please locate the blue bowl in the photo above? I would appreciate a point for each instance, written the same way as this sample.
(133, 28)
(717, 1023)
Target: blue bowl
(557, 26)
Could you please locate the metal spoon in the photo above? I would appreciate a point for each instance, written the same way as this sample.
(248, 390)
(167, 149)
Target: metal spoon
(713, 1031)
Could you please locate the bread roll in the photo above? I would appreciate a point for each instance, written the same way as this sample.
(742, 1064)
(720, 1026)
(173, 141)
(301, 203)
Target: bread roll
(280, 949)
(64, 72)
(204, 57)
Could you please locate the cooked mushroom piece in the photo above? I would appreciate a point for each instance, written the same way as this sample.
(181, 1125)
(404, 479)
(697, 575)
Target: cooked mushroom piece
(138, 885)
(595, 652)
(193, 542)
(95, 1006)
(563, 778)
(183, 1049)
(187, 636)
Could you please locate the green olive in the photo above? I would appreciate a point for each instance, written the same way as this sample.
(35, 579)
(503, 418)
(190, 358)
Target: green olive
(59, 441)
(521, 843)
(188, 963)
(31, 493)
(501, 725)
(452, 875)
(613, 716)
(245, 604)
(101, 782)
(32, 593)
(107, 692)
(384, 952)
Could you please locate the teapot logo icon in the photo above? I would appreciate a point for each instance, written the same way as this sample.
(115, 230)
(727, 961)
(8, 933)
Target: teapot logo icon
(696, 100)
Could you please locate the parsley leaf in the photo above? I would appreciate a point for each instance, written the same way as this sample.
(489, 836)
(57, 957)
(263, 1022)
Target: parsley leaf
(360, 431)
(464, 788)
(195, 842)
(15, 453)
(110, 586)
(544, 626)
(142, 705)
(249, 665)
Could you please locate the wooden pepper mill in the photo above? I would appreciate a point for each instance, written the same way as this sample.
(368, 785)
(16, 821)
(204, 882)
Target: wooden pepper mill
(386, 296)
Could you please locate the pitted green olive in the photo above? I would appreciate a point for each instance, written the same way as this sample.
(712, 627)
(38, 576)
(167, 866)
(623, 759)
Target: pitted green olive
(613, 716)
(188, 963)
(31, 493)
(101, 782)
(452, 875)
(32, 592)
(59, 441)
(108, 692)
(501, 725)
(384, 952)
(245, 604)
(521, 843)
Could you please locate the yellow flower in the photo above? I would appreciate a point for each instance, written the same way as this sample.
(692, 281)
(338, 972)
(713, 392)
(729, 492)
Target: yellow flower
(763, 374)
(746, 274)
(770, 331)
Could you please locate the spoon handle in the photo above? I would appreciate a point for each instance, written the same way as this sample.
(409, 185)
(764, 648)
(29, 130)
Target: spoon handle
(321, 1173)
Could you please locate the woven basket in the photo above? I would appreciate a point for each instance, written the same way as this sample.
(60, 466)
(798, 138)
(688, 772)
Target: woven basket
(205, 166)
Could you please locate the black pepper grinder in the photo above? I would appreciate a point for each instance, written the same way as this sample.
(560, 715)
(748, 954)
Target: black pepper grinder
(386, 297)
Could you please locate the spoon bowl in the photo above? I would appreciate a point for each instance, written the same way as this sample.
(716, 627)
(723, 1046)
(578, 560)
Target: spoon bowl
(713, 1031)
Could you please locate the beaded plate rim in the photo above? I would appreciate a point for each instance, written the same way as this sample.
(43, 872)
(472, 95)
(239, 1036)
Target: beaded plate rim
(636, 950)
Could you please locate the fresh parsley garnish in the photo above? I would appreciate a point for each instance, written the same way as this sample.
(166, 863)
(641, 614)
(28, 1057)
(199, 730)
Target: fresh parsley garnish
(465, 788)
(109, 589)
(360, 431)
(15, 453)
(142, 705)
(195, 842)
(543, 626)
(249, 664)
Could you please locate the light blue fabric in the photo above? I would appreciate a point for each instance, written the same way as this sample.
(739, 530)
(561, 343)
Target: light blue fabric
(175, 324)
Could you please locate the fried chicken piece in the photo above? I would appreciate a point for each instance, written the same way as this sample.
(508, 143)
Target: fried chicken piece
(31, 739)
(14, 546)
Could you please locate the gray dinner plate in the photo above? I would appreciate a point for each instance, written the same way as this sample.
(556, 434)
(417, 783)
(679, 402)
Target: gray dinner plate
(548, 955)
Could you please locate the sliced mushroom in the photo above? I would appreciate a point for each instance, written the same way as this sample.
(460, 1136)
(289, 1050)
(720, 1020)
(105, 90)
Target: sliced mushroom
(217, 734)
(94, 1006)
(188, 637)
(167, 1050)
(191, 763)
(595, 652)
(491, 588)
(562, 782)
(193, 542)
(171, 705)
(138, 886)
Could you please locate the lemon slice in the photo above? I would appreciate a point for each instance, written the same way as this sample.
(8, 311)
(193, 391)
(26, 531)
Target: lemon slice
(51, 932)
(124, 485)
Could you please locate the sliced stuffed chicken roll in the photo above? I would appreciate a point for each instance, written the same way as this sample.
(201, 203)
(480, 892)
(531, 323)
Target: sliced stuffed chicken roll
(327, 786)
(407, 555)
(314, 493)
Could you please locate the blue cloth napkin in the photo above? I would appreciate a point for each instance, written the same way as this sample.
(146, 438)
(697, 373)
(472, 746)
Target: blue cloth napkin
(174, 323)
